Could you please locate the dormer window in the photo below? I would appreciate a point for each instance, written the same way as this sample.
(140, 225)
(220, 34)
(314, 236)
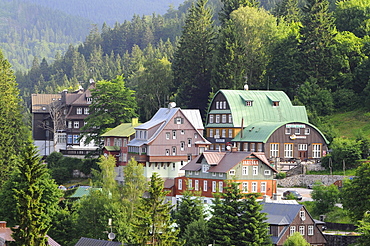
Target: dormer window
(249, 103)
(275, 103)
(179, 120)
(211, 119)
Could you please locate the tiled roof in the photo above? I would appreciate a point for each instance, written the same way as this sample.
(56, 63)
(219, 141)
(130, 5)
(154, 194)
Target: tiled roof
(169, 183)
(41, 102)
(213, 158)
(95, 242)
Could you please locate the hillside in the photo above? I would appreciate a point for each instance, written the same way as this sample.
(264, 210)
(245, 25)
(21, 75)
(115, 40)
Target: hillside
(109, 11)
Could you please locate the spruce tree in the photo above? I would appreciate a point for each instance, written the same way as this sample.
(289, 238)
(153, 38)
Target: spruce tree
(153, 223)
(236, 219)
(192, 60)
(12, 129)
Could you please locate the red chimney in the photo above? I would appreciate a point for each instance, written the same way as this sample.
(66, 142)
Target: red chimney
(2, 224)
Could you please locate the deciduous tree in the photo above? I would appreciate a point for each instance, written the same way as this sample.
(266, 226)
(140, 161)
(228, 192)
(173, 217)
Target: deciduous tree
(296, 240)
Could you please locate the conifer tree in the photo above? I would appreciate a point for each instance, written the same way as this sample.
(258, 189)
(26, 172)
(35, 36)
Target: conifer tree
(153, 224)
(192, 60)
(12, 130)
(237, 220)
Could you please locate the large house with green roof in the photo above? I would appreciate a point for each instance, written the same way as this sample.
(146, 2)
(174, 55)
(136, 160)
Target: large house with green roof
(263, 121)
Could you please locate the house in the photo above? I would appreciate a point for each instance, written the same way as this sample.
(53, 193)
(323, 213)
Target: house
(95, 242)
(210, 170)
(6, 236)
(263, 121)
(57, 120)
(286, 218)
(168, 141)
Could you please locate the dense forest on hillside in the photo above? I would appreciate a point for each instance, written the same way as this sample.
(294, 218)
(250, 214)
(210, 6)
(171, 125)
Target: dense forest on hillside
(28, 30)
(317, 54)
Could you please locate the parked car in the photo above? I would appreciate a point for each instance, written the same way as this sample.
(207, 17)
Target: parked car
(292, 193)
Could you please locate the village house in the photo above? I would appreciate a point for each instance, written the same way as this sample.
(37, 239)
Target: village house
(209, 172)
(263, 121)
(168, 141)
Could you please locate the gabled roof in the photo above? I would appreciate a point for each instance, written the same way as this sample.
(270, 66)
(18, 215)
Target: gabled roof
(123, 130)
(161, 119)
(40, 102)
(281, 213)
(262, 109)
(261, 131)
(222, 162)
(95, 242)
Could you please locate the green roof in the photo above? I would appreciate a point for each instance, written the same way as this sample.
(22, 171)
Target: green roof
(82, 191)
(262, 109)
(112, 148)
(123, 130)
(261, 131)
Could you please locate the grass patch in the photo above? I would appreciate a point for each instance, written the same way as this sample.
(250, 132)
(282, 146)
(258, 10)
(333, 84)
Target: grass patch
(337, 215)
(349, 172)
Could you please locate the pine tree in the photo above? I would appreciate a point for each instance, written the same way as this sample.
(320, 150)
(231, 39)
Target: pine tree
(192, 60)
(231, 5)
(153, 223)
(12, 130)
(236, 219)
(32, 211)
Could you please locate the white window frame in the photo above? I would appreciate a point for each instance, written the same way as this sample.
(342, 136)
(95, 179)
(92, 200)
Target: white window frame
(245, 186)
(211, 133)
(167, 135)
(224, 104)
(205, 168)
(307, 131)
(174, 134)
(263, 187)
(292, 230)
(205, 185)
(180, 184)
(267, 172)
(220, 174)
(173, 150)
(217, 105)
(274, 150)
(288, 150)
(182, 145)
(224, 118)
(213, 174)
(69, 124)
(189, 142)
(302, 147)
(302, 230)
(288, 131)
(167, 152)
(245, 170)
(217, 118)
(230, 118)
(254, 187)
(211, 118)
(230, 133)
(249, 103)
(316, 150)
(221, 186)
(76, 124)
(255, 170)
(214, 186)
(86, 111)
(297, 131)
(310, 230)
(79, 111)
(190, 184)
(232, 172)
(223, 132)
(196, 185)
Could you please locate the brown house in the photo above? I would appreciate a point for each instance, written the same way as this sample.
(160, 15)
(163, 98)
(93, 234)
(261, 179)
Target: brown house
(285, 219)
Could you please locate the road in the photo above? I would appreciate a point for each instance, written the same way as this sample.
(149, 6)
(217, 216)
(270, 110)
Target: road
(306, 193)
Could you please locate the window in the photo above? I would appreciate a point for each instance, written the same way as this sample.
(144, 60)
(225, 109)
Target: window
(174, 134)
(287, 131)
(316, 150)
(124, 157)
(301, 230)
(195, 135)
(213, 174)
(232, 172)
(221, 186)
(310, 230)
(249, 103)
(173, 150)
(75, 139)
(204, 168)
(190, 172)
(267, 172)
(245, 186)
(180, 184)
(182, 132)
(224, 118)
(69, 124)
(205, 184)
(167, 152)
(275, 104)
(69, 139)
(245, 170)
(217, 105)
(167, 135)
(307, 131)
(220, 174)
(190, 184)
(255, 170)
(263, 187)
(302, 215)
(196, 173)
(292, 230)
(254, 186)
(211, 133)
(302, 147)
(61, 138)
(211, 118)
(213, 186)
(217, 135)
(86, 110)
(125, 142)
(298, 131)
(182, 146)
(196, 185)
(189, 142)
(259, 147)
(217, 118)
(274, 150)
(223, 133)
(230, 118)
(230, 133)
(178, 120)
(253, 147)
(288, 150)
(79, 111)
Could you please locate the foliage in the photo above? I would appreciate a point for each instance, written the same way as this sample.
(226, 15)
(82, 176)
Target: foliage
(355, 193)
(112, 104)
(364, 229)
(196, 233)
(152, 218)
(237, 220)
(325, 197)
(34, 209)
(192, 60)
(296, 240)
(345, 150)
(281, 175)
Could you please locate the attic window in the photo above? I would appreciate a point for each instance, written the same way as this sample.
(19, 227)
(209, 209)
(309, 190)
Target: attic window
(249, 103)
(275, 103)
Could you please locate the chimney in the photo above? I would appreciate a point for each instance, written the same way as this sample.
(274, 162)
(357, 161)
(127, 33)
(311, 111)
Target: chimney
(234, 149)
(134, 121)
(2, 224)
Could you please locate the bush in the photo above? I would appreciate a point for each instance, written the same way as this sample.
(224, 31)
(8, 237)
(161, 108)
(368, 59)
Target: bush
(281, 175)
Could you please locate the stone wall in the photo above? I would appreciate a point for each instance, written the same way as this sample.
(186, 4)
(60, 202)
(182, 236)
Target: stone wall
(303, 180)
